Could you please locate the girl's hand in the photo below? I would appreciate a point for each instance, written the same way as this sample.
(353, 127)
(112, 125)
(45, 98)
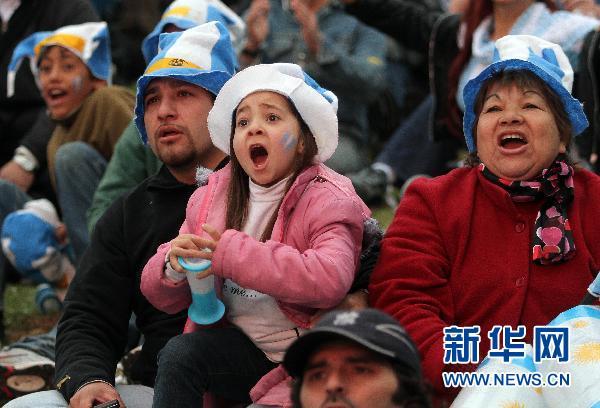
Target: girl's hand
(212, 245)
(193, 246)
(187, 246)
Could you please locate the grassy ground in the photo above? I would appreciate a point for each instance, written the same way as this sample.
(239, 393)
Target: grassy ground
(22, 318)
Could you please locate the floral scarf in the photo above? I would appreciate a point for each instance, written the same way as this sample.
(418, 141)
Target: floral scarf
(552, 238)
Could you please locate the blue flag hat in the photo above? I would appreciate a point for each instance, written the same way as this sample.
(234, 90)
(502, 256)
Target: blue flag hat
(89, 41)
(202, 56)
(185, 14)
(544, 59)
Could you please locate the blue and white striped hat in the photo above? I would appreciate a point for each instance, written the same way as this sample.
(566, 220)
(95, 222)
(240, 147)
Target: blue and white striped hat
(544, 59)
(89, 41)
(202, 56)
(317, 106)
(186, 14)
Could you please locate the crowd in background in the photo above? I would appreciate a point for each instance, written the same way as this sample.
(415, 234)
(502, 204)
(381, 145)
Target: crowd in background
(397, 67)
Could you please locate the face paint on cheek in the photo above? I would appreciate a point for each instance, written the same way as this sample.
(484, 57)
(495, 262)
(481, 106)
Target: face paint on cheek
(289, 141)
(77, 84)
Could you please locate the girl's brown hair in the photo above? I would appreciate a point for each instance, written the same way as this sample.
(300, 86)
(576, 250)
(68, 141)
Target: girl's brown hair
(238, 194)
(474, 15)
(523, 80)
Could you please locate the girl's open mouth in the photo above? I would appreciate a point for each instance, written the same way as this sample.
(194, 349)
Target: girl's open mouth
(258, 155)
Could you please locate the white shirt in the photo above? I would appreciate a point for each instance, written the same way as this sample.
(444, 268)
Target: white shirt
(255, 313)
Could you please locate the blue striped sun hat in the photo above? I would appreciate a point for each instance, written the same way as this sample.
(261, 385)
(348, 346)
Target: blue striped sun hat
(317, 106)
(202, 56)
(185, 14)
(89, 41)
(544, 59)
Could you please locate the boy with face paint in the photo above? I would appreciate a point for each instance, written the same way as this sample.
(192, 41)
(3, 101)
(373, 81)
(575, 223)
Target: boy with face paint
(71, 67)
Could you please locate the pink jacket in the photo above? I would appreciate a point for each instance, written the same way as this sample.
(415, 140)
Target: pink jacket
(308, 264)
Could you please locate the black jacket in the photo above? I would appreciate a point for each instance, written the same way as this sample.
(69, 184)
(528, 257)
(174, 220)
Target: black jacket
(92, 332)
(586, 88)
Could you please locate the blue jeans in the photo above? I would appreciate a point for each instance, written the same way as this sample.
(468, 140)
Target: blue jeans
(134, 396)
(42, 344)
(411, 151)
(78, 170)
(11, 199)
(222, 361)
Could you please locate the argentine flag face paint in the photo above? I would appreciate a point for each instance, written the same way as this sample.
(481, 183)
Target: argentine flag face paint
(265, 139)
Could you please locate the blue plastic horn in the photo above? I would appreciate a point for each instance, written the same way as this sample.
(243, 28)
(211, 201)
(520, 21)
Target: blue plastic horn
(205, 307)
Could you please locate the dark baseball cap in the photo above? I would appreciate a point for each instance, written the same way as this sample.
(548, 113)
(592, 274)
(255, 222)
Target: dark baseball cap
(370, 328)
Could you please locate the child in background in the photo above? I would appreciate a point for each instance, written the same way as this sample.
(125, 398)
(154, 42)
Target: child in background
(72, 67)
(34, 241)
(284, 233)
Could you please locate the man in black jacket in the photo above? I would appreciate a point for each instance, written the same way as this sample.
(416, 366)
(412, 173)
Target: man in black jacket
(92, 332)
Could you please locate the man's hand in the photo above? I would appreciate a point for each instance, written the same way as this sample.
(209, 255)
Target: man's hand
(307, 19)
(257, 22)
(93, 394)
(14, 173)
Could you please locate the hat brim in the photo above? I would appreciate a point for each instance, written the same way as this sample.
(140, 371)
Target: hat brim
(314, 109)
(571, 105)
(212, 81)
(299, 352)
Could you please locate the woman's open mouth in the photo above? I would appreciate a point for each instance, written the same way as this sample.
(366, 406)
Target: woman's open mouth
(258, 155)
(512, 141)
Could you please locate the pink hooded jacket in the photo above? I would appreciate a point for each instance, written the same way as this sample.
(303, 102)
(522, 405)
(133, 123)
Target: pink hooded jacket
(308, 264)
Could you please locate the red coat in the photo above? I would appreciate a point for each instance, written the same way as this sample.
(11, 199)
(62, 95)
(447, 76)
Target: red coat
(459, 252)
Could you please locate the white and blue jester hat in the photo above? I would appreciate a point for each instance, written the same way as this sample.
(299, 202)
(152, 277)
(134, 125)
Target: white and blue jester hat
(317, 106)
(89, 41)
(202, 56)
(186, 14)
(30, 244)
(544, 59)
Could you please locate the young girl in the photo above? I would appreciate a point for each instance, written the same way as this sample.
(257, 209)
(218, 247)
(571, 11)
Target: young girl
(285, 233)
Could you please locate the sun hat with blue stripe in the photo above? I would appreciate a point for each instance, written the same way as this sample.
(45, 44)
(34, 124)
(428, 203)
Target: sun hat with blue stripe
(544, 59)
(185, 14)
(89, 41)
(202, 56)
(317, 106)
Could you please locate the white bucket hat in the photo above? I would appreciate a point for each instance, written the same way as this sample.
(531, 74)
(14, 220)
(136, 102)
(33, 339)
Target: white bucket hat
(317, 106)
(544, 59)
(185, 14)
(89, 41)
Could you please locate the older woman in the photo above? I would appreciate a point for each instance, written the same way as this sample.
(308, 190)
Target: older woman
(509, 240)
